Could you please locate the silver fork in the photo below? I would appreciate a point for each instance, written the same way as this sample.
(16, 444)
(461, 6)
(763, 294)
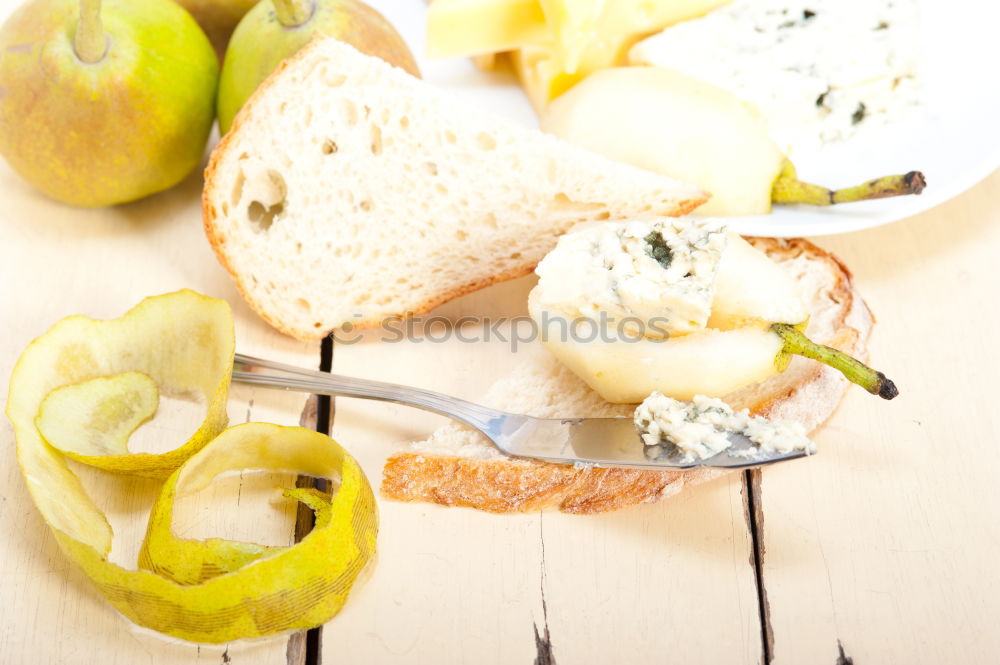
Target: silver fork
(588, 441)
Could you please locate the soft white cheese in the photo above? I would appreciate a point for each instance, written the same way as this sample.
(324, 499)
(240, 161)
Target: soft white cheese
(699, 429)
(818, 69)
(648, 278)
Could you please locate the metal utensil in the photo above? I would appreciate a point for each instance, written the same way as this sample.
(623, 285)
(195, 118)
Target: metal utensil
(588, 441)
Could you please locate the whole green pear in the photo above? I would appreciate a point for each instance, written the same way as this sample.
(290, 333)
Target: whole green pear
(104, 104)
(276, 29)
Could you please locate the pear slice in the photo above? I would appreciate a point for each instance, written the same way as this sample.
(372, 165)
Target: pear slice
(670, 123)
(754, 323)
(663, 121)
(751, 289)
(708, 362)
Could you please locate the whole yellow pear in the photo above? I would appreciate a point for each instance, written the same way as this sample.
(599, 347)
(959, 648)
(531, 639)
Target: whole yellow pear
(104, 104)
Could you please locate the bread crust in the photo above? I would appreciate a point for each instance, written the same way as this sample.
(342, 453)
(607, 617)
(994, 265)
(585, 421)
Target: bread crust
(217, 239)
(508, 485)
(208, 212)
(423, 307)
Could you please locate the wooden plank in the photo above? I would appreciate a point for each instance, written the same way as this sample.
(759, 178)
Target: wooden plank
(884, 543)
(671, 582)
(56, 261)
(449, 585)
(455, 585)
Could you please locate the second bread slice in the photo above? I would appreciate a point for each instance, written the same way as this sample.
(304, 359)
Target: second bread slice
(348, 192)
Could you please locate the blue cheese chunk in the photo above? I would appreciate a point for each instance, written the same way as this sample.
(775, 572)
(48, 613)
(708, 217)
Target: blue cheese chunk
(690, 426)
(700, 428)
(649, 278)
(818, 69)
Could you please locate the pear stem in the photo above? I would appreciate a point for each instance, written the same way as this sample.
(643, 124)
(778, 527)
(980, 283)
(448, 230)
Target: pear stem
(293, 13)
(90, 42)
(788, 188)
(797, 343)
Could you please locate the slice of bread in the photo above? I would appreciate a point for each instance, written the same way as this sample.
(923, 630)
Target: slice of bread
(348, 192)
(458, 466)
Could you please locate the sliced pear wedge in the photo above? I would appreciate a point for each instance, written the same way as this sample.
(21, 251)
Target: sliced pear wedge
(754, 325)
(665, 121)
(708, 362)
(751, 289)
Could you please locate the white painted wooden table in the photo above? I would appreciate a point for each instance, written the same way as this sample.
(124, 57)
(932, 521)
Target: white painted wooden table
(880, 549)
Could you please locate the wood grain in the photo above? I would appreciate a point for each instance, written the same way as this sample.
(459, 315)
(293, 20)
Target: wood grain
(881, 545)
(456, 585)
(885, 542)
(56, 261)
(880, 549)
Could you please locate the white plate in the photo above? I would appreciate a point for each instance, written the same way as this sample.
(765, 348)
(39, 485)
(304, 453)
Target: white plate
(954, 140)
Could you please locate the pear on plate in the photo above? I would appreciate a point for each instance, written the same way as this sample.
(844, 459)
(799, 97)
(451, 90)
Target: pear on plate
(104, 104)
(277, 29)
(665, 121)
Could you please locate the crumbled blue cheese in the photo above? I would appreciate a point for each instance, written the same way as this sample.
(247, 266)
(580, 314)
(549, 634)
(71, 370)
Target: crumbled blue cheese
(660, 419)
(699, 429)
(654, 278)
(818, 69)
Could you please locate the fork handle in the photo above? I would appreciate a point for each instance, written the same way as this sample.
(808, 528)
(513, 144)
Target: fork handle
(246, 369)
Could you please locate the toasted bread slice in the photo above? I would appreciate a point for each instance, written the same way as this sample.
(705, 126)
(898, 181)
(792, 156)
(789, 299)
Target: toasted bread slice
(348, 192)
(458, 466)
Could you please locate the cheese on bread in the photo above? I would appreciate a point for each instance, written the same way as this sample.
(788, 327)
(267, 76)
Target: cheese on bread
(458, 466)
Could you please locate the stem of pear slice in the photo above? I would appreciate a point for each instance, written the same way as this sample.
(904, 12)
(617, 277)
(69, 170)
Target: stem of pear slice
(293, 13)
(90, 43)
(856, 371)
(788, 188)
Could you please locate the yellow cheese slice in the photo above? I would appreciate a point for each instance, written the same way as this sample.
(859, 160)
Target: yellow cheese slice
(544, 77)
(547, 70)
(574, 25)
(475, 27)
